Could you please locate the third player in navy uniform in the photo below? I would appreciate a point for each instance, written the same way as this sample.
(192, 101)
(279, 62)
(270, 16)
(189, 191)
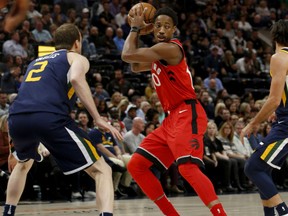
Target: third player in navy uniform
(273, 150)
(40, 113)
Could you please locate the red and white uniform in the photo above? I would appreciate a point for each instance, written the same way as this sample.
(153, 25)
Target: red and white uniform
(180, 137)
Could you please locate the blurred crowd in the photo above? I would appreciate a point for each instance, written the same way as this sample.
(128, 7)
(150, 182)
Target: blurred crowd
(227, 47)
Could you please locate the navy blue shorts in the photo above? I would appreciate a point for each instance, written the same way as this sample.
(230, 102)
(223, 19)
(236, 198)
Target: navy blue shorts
(274, 148)
(69, 145)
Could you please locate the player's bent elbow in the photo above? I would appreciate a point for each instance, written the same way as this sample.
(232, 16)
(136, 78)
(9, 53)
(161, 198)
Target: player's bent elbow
(126, 57)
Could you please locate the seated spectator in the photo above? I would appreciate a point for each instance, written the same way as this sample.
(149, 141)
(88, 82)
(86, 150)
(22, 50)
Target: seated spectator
(213, 75)
(238, 40)
(13, 47)
(134, 137)
(122, 107)
(152, 115)
(207, 104)
(118, 40)
(4, 106)
(213, 60)
(226, 134)
(100, 92)
(130, 115)
(144, 107)
(83, 121)
(241, 148)
(217, 163)
(41, 35)
(228, 64)
(116, 98)
(161, 112)
(120, 84)
(106, 19)
(107, 145)
(58, 17)
(11, 80)
(120, 18)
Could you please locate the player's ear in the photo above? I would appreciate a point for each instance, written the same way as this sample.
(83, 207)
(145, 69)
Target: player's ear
(174, 29)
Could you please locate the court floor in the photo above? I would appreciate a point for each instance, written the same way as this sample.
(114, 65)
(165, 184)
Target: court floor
(235, 205)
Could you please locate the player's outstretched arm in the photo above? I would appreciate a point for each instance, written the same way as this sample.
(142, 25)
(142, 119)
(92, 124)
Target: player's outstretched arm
(16, 15)
(79, 67)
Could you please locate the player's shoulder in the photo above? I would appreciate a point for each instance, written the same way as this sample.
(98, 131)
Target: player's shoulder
(76, 57)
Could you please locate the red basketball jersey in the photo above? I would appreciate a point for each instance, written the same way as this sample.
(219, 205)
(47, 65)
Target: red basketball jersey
(173, 83)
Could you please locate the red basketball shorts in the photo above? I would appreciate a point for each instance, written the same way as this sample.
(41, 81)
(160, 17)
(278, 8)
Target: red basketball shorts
(179, 138)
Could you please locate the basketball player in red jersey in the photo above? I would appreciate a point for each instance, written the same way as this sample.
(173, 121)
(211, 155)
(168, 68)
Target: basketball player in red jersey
(180, 137)
(16, 14)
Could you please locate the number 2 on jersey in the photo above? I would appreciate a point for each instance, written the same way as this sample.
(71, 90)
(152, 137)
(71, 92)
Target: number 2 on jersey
(30, 77)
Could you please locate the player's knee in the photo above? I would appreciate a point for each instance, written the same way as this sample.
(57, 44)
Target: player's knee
(188, 169)
(136, 164)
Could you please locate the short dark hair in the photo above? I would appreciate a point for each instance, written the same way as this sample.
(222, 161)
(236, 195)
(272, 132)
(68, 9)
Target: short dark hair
(279, 32)
(65, 36)
(168, 12)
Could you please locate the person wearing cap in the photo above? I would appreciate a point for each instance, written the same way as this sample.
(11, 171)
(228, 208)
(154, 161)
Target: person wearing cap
(213, 60)
(130, 115)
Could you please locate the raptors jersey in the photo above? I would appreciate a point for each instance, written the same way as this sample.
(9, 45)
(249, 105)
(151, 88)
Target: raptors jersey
(173, 83)
(46, 87)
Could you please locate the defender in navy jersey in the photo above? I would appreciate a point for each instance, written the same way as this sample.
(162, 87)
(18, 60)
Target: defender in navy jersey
(180, 137)
(273, 150)
(40, 113)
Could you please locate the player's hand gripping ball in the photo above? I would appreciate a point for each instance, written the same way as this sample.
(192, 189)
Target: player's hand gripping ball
(138, 9)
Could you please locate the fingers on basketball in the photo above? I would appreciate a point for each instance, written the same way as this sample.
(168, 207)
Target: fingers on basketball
(148, 16)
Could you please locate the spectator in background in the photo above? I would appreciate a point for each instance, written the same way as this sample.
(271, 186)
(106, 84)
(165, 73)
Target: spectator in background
(118, 40)
(107, 145)
(58, 17)
(4, 106)
(122, 107)
(243, 148)
(11, 80)
(238, 40)
(144, 107)
(130, 115)
(13, 47)
(32, 13)
(106, 19)
(28, 47)
(83, 121)
(120, 18)
(213, 75)
(46, 20)
(152, 115)
(41, 35)
(120, 84)
(207, 104)
(114, 7)
(134, 137)
(228, 66)
(100, 92)
(224, 116)
(161, 112)
(213, 60)
(217, 161)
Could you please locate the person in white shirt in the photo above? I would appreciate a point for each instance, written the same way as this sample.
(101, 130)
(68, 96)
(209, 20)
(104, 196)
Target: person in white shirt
(242, 148)
(120, 18)
(134, 137)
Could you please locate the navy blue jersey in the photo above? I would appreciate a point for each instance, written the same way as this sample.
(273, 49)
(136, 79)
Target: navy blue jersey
(46, 87)
(104, 138)
(282, 109)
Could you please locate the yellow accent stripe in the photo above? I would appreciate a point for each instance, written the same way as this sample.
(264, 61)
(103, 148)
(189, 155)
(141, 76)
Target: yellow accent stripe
(284, 51)
(92, 148)
(267, 151)
(71, 92)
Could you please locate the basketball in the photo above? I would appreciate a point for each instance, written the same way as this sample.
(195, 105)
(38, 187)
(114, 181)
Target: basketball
(148, 16)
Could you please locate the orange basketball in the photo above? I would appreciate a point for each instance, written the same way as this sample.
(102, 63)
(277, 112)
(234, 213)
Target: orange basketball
(148, 16)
